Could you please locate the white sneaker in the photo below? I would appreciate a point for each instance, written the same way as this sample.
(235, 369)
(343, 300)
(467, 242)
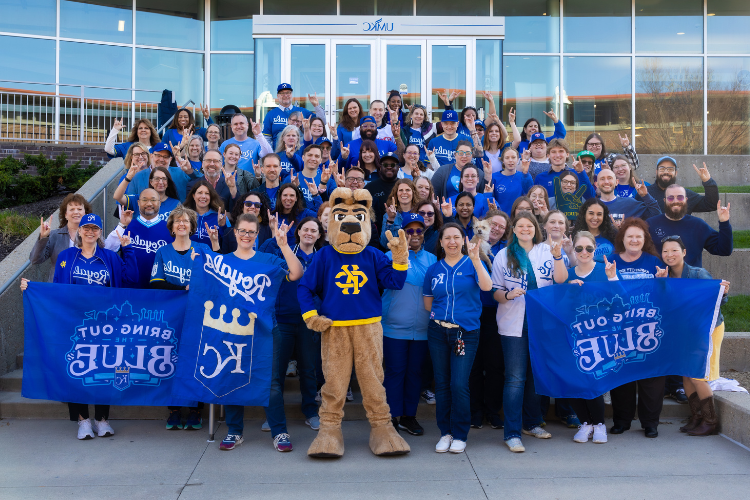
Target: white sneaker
(457, 446)
(102, 428)
(515, 445)
(84, 429)
(600, 434)
(537, 432)
(291, 369)
(584, 433)
(445, 443)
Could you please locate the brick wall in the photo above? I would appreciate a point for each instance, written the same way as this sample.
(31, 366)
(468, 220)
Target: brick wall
(85, 154)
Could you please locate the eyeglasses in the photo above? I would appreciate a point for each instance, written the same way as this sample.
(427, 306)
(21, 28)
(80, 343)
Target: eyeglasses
(587, 162)
(412, 231)
(568, 183)
(215, 162)
(182, 223)
(426, 215)
(355, 180)
(679, 197)
(254, 204)
(90, 229)
(595, 144)
(163, 157)
(666, 169)
(411, 153)
(471, 177)
(149, 200)
(463, 153)
(244, 232)
(140, 155)
(674, 237)
(159, 179)
(588, 248)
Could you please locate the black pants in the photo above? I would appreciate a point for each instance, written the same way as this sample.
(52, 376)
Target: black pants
(650, 402)
(100, 411)
(487, 376)
(197, 408)
(590, 411)
(672, 383)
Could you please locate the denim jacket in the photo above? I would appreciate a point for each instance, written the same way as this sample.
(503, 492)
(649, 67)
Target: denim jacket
(699, 273)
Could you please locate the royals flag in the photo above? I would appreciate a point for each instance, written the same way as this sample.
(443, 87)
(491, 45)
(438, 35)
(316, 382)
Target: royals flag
(96, 345)
(586, 340)
(227, 342)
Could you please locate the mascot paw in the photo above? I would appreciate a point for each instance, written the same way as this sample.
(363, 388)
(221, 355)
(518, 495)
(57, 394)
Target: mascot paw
(318, 323)
(385, 441)
(399, 247)
(328, 444)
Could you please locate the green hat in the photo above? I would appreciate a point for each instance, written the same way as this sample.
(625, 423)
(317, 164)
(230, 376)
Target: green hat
(588, 153)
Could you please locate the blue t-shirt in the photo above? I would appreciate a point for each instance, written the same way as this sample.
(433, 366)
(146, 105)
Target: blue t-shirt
(165, 208)
(445, 150)
(212, 219)
(509, 187)
(174, 267)
(596, 274)
(271, 193)
(250, 149)
(455, 292)
(643, 267)
(91, 271)
(481, 204)
(603, 247)
(289, 165)
(454, 178)
(354, 147)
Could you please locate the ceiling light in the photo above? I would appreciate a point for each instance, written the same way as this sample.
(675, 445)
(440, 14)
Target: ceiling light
(120, 25)
(680, 33)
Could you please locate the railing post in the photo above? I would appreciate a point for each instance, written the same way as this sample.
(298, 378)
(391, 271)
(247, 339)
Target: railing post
(81, 119)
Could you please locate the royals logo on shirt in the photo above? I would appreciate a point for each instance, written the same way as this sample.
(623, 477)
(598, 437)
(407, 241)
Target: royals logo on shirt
(91, 277)
(122, 348)
(612, 333)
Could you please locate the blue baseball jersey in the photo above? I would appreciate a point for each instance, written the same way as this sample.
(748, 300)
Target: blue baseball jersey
(147, 237)
(455, 293)
(445, 150)
(174, 267)
(212, 219)
(276, 120)
(165, 208)
(91, 271)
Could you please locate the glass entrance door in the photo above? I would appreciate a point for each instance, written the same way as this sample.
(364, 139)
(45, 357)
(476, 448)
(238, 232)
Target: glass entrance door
(307, 70)
(403, 68)
(451, 68)
(353, 70)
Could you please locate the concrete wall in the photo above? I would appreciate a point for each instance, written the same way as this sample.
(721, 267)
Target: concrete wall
(91, 153)
(739, 211)
(725, 170)
(735, 269)
(11, 300)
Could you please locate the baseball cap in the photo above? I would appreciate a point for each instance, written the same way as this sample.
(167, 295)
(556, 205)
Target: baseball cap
(587, 153)
(91, 220)
(391, 155)
(161, 147)
(537, 137)
(322, 139)
(410, 217)
(449, 115)
(479, 123)
(283, 86)
(368, 118)
(666, 158)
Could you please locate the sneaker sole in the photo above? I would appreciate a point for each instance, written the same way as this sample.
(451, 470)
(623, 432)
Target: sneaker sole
(311, 427)
(441, 451)
(236, 444)
(537, 436)
(517, 450)
(456, 452)
(579, 441)
(193, 427)
(279, 449)
(86, 437)
(174, 427)
(413, 433)
(106, 434)
(598, 442)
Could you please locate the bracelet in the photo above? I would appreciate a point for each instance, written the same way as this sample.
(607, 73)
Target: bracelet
(557, 258)
(506, 295)
(122, 225)
(129, 180)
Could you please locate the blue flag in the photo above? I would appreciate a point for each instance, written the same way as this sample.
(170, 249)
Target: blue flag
(96, 345)
(586, 340)
(227, 342)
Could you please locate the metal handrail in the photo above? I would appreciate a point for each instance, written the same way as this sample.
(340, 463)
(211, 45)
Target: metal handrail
(161, 129)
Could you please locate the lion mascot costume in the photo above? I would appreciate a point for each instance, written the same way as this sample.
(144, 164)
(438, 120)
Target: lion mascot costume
(344, 276)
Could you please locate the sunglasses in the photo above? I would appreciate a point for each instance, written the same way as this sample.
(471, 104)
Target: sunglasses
(679, 197)
(412, 231)
(674, 237)
(588, 248)
(254, 204)
(426, 214)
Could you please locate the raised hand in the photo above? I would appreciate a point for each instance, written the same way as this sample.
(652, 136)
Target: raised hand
(311, 188)
(488, 187)
(473, 249)
(470, 124)
(230, 179)
(334, 132)
(273, 222)
(325, 175)
(493, 118)
(340, 178)
(294, 179)
(306, 124)
(567, 245)
(221, 217)
(615, 222)
(703, 172)
(447, 207)
(512, 115)
(487, 95)
(45, 227)
(256, 128)
(640, 187)
(290, 150)
(213, 233)
(443, 97)
(281, 232)
(126, 217)
(256, 168)
(491, 203)
(124, 239)
(391, 210)
(551, 115)
(344, 152)
(454, 94)
(431, 153)
(556, 249)
(723, 212)
(193, 255)
(415, 172)
(525, 162)
(662, 273)
(204, 109)
(117, 124)
(313, 99)
(577, 165)
(541, 207)
(624, 141)
(396, 128)
(610, 268)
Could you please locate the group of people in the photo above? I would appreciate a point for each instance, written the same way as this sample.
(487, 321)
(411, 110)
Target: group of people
(488, 215)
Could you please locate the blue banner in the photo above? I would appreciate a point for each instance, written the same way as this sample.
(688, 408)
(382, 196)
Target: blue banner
(586, 340)
(227, 342)
(96, 345)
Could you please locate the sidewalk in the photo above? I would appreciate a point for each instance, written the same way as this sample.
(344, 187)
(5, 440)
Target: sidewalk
(41, 459)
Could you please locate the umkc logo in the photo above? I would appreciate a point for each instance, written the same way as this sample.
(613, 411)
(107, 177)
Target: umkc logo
(122, 348)
(355, 279)
(224, 351)
(613, 333)
(378, 25)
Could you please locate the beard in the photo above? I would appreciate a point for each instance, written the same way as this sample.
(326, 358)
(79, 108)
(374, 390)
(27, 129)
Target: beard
(369, 135)
(664, 185)
(675, 211)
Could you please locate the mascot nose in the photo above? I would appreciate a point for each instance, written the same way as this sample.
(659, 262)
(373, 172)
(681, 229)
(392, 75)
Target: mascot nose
(350, 227)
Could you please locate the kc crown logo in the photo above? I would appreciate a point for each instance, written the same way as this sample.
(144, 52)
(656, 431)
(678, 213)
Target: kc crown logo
(123, 348)
(613, 333)
(226, 350)
(355, 279)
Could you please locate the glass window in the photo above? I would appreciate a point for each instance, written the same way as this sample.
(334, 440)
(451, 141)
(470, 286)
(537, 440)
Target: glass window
(728, 27)
(308, 69)
(101, 20)
(453, 8)
(232, 82)
(597, 98)
(267, 74)
(728, 105)
(28, 60)
(165, 23)
(669, 26)
(448, 74)
(180, 72)
(403, 71)
(301, 8)
(530, 26)
(32, 17)
(489, 74)
(376, 7)
(232, 24)
(669, 105)
(605, 24)
(353, 75)
(531, 85)
(98, 65)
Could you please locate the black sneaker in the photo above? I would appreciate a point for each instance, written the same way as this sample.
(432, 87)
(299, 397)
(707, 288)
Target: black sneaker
(679, 396)
(394, 421)
(410, 425)
(476, 422)
(495, 421)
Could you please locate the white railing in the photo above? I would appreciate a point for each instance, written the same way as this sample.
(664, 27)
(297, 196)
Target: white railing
(59, 117)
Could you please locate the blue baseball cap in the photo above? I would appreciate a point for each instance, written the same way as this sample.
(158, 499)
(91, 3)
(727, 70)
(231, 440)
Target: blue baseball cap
(161, 146)
(410, 217)
(666, 158)
(449, 115)
(479, 123)
(368, 118)
(391, 155)
(283, 86)
(91, 220)
(322, 139)
(537, 137)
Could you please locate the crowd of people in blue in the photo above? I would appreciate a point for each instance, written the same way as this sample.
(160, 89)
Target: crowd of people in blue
(540, 213)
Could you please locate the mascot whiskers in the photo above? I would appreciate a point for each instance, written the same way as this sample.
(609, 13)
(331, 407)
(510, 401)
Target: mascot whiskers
(345, 276)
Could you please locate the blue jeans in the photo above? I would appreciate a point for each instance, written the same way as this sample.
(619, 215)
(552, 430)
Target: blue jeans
(403, 374)
(275, 409)
(298, 334)
(521, 405)
(452, 408)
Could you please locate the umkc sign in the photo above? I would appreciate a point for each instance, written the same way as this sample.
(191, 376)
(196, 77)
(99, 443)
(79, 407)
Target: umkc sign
(380, 25)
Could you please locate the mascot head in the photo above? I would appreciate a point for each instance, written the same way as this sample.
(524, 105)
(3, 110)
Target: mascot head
(349, 224)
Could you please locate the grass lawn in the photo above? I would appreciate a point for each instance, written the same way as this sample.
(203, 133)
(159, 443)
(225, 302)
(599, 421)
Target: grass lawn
(737, 314)
(725, 189)
(15, 224)
(741, 239)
